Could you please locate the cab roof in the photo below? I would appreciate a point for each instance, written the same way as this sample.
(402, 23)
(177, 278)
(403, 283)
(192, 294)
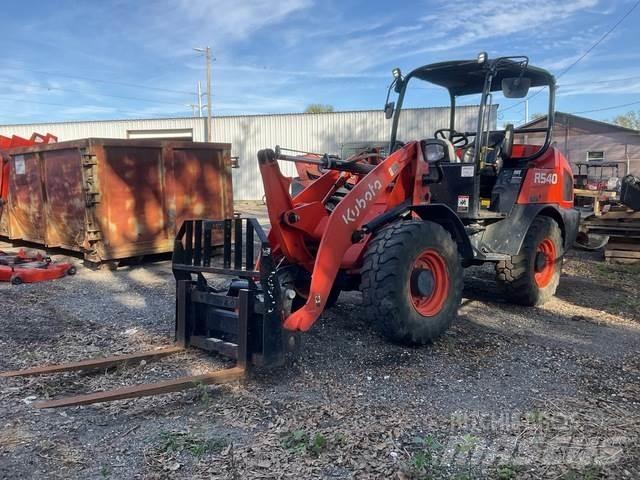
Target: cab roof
(465, 77)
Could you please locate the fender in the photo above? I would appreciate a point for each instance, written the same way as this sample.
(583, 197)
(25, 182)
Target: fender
(444, 216)
(506, 236)
(435, 212)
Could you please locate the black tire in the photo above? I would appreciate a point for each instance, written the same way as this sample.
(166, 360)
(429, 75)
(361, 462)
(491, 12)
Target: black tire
(332, 299)
(387, 281)
(517, 276)
(16, 281)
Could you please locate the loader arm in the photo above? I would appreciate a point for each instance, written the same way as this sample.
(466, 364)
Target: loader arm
(347, 217)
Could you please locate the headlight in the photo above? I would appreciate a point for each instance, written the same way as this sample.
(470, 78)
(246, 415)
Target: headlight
(434, 152)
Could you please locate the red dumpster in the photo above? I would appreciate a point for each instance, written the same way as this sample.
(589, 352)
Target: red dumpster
(6, 144)
(111, 199)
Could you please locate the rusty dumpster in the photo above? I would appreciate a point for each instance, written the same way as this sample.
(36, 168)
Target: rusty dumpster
(113, 199)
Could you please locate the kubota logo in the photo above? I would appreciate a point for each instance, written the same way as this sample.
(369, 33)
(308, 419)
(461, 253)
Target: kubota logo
(352, 213)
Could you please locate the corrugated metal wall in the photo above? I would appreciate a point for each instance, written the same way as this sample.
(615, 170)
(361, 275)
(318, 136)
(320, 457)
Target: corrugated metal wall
(325, 132)
(575, 136)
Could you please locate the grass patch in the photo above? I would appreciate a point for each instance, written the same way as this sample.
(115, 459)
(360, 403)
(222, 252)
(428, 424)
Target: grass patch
(179, 442)
(536, 417)
(305, 443)
(506, 472)
(607, 269)
(425, 462)
(201, 392)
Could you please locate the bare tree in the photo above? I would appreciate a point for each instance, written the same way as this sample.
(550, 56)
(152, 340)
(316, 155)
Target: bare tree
(628, 120)
(318, 108)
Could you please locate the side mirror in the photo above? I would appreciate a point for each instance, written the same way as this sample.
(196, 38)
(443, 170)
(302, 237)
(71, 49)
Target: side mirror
(516, 87)
(389, 109)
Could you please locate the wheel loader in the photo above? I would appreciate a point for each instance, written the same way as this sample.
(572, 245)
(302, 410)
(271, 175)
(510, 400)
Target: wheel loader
(400, 227)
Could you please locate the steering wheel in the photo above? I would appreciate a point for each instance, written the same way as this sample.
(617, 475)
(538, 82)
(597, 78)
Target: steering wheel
(458, 139)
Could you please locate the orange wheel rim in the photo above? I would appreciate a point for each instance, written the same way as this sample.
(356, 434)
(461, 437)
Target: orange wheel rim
(547, 249)
(431, 263)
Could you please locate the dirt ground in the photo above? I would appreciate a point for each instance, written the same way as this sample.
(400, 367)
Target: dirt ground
(508, 392)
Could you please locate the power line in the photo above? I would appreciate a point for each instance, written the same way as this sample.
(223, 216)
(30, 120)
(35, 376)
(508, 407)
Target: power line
(100, 80)
(600, 40)
(589, 50)
(44, 87)
(115, 110)
(608, 108)
(625, 79)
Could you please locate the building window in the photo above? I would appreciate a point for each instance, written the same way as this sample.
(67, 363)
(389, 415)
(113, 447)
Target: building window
(595, 156)
(165, 133)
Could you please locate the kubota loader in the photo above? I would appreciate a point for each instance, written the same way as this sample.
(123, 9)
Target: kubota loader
(400, 228)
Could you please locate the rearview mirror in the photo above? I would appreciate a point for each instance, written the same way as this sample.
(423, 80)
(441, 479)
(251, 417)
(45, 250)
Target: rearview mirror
(515, 87)
(388, 110)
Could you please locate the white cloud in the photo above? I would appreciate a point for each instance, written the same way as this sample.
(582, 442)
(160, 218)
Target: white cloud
(458, 26)
(239, 19)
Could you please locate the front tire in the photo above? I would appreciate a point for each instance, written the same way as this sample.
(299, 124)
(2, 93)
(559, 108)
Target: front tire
(531, 277)
(412, 281)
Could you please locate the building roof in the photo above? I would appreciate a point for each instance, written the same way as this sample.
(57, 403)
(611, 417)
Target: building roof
(563, 118)
(216, 117)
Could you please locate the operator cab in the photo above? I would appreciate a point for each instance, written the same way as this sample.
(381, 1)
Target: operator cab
(480, 167)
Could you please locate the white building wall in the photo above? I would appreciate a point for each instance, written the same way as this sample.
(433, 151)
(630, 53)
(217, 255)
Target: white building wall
(325, 132)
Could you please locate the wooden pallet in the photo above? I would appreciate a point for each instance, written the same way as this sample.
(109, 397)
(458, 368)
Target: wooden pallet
(621, 250)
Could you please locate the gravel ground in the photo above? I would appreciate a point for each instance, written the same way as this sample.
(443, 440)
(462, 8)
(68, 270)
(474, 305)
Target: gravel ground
(508, 392)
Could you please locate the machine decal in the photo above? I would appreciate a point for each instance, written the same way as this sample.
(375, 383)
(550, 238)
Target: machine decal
(542, 177)
(19, 166)
(361, 203)
(463, 203)
(466, 171)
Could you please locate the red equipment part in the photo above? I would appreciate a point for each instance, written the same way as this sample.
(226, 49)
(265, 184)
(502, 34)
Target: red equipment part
(367, 199)
(24, 268)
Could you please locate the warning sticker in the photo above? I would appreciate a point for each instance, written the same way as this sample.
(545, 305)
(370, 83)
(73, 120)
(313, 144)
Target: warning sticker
(466, 171)
(18, 165)
(463, 203)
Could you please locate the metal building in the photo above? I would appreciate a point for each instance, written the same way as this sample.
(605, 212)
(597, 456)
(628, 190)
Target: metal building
(320, 132)
(587, 140)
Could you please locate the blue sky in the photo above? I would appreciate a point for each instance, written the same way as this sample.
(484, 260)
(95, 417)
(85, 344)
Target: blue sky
(72, 60)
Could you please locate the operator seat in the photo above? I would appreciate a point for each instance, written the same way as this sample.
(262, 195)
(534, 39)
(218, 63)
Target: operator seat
(500, 147)
(451, 151)
(499, 150)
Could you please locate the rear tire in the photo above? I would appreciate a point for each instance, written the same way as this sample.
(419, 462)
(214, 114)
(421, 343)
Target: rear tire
(412, 281)
(531, 277)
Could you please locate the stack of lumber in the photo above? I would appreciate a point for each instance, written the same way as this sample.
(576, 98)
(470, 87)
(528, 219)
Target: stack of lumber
(623, 229)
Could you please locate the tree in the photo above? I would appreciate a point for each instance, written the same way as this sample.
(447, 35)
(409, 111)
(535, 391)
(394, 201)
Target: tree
(629, 120)
(318, 108)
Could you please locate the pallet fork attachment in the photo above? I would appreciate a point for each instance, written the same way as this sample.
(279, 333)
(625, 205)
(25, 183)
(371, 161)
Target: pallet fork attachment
(243, 323)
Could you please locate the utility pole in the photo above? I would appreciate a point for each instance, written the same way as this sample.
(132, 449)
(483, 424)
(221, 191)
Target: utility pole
(193, 108)
(199, 99)
(207, 54)
(526, 111)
